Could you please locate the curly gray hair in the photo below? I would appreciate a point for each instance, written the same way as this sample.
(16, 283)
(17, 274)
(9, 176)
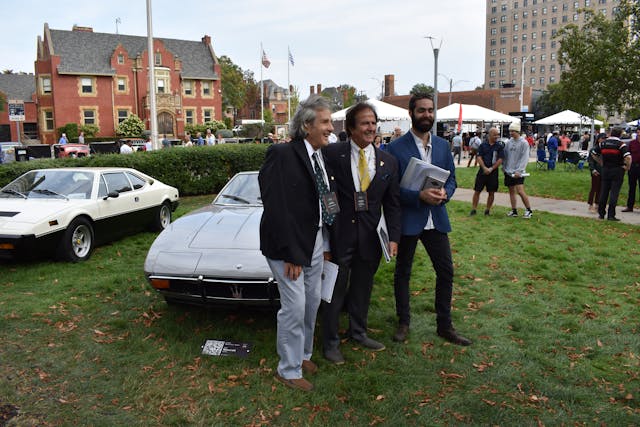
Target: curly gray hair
(306, 114)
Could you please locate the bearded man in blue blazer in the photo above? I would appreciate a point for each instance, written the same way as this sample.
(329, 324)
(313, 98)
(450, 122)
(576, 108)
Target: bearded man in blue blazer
(425, 218)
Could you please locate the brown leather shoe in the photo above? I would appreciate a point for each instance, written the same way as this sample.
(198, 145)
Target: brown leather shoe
(295, 383)
(309, 367)
(453, 337)
(627, 210)
(401, 333)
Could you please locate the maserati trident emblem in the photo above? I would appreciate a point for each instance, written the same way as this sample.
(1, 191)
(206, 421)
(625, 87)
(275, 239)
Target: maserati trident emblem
(236, 292)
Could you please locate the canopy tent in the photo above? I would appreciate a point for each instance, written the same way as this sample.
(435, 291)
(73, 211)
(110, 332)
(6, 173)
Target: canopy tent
(635, 123)
(389, 117)
(567, 117)
(473, 113)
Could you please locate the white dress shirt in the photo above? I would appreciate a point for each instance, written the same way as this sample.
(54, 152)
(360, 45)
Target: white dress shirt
(425, 153)
(370, 155)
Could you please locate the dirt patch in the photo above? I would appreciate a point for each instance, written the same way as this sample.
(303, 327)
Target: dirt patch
(7, 412)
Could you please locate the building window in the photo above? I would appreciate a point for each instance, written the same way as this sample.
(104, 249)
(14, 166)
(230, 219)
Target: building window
(575, 16)
(122, 84)
(503, 61)
(161, 86)
(503, 51)
(544, 23)
(45, 85)
(543, 57)
(515, 16)
(532, 70)
(88, 117)
(514, 60)
(542, 69)
(207, 115)
(158, 58)
(532, 81)
(87, 85)
(494, 20)
(492, 52)
(492, 63)
(525, 14)
(503, 18)
(503, 8)
(503, 40)
(48, 120)
(188, 117)
(534, 23)
(492, 84)
(503, 29)
(534, 35)
(524, 26)
(542, 81)
(514, 49)
(120, 59)
(206, 89)
(554, 9)
(544, 10)
(122, 115)
(553, 56)
(514, 71)
(188, 87)
(515, 27)
(494, 9)
(552, 79)
(494, 31)
(552, 68)
(502, 73)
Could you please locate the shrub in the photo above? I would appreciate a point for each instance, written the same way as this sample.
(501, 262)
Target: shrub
(71, 129)
(90, 131)
(131, 127)
(193, 170)
(214, 125)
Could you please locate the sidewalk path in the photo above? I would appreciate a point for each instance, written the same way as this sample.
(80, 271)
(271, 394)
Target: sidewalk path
(562, 207)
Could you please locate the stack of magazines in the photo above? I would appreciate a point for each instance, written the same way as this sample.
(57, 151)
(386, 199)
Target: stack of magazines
(421, 175)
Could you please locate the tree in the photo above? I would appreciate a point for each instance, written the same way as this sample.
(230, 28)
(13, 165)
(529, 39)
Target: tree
(600, 61)
(421, 88)
(132, 126)
(295, 100)
(233, 83)
(551, 101)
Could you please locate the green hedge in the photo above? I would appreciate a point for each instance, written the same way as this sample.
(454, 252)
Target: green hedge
(193, 170)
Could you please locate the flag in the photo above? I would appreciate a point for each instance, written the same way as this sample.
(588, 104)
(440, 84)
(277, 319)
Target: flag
(291, 58)
(460, 119)
(265, 60)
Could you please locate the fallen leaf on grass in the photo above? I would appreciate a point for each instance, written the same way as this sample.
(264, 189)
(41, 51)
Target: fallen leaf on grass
(489, 402)
(380, 397)
(444, 374)
(599, 343)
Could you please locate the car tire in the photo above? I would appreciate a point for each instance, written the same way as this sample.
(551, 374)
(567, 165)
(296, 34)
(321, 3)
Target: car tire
(77, 241)
(162, 217)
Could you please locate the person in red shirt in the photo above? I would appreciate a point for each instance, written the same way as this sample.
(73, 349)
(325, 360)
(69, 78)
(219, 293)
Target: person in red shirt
(634, 172)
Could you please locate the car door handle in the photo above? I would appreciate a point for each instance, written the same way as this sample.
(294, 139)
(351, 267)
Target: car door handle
(136, 199)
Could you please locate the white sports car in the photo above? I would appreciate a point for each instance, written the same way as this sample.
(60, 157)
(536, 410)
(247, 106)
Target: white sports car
(67, 211)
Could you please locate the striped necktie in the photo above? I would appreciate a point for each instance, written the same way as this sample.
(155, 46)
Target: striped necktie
(327, 218)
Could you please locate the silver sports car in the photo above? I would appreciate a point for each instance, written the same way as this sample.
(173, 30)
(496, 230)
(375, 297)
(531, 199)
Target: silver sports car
(212, 255)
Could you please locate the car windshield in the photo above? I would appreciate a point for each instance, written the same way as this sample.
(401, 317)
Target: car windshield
(243, 189)
(51, 184)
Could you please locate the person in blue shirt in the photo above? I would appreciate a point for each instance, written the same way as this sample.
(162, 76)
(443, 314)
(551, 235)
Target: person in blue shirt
(490, 156)
(552, 147)
(63, 139)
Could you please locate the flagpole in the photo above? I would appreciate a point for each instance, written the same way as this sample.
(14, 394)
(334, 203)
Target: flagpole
(261, 86)
(153, 119)
(288, 86)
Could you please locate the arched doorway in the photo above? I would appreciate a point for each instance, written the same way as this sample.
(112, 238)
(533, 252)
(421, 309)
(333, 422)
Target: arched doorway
(165, 123)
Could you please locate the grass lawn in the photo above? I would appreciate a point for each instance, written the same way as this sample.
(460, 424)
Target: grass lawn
(551, 304)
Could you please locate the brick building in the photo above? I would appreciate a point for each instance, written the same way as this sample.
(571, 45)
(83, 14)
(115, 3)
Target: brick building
(98, 78)
(20, 87)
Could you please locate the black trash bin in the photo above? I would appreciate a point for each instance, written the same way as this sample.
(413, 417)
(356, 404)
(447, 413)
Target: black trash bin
(21, 154)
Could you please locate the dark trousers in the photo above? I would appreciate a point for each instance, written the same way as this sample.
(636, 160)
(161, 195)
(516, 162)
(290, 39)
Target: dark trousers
(353, 288)
(612, 177)
(634, 179)
(438, 249)
(594, 192)
(457, 152)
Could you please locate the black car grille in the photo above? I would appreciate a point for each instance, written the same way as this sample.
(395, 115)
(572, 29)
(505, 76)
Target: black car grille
(210, 290)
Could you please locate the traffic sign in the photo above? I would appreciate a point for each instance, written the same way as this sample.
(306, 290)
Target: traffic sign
(16, 110)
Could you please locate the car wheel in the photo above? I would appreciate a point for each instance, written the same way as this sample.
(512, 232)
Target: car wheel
(77, 242)
(163, 217)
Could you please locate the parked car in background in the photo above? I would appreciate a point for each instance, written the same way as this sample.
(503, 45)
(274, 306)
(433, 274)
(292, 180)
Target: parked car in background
(212, 255)
(66, 212)
(12, 151)
(70, 150)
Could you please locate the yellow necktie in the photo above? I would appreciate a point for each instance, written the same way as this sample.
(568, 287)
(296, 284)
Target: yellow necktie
(363, 171)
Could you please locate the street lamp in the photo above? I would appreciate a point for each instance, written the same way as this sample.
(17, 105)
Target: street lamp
(524, 61)
(452, 84)
(381, 86)
(436, 50)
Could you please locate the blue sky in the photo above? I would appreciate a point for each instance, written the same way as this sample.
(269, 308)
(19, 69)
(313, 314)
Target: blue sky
(333, 42)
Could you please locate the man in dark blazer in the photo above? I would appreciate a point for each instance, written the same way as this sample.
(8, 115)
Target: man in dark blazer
(299, 204)
(425, 218)
(367, 181)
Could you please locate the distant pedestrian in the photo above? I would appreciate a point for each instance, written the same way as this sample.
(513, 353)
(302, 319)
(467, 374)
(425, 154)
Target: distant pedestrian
(457, 147)
(490, 157)
(516, 158)
(63, 139)
(81, 138)
(165, 142)
(552, 147)
(200, 139)
(634, 172)
(210, 138)
(474, 144)
(595, 166)
(616, 159)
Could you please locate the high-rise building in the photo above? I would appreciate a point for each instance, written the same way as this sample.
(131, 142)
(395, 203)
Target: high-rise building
(523, 31)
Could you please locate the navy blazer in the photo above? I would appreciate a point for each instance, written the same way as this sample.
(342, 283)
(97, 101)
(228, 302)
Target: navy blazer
(291, 215)
(356, 231)
(415, 212)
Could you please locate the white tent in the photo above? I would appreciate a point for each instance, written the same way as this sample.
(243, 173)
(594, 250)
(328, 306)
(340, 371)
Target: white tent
(389, 117)
(635, 123)
(567, 117)
(473, 113)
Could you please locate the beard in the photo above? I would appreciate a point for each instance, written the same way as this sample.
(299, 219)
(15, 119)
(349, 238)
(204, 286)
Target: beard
(423, 125)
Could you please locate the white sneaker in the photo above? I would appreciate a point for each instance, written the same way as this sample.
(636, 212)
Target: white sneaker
(527, 214)
(512, 214)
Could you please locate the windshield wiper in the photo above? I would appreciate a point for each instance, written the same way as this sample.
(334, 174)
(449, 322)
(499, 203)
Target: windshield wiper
(49, 192)
(10, 191)
(236, 198)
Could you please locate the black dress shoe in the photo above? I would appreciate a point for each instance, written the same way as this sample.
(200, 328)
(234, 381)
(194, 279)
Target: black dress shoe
(453, 337)
(401, 333)
(627, 210)
(370, 343)
(613, 218)
(334, 356)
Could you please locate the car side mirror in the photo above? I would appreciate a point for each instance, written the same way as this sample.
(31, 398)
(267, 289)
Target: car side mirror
(112, 194)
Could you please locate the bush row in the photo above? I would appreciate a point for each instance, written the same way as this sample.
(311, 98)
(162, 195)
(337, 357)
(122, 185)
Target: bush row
(193, 170)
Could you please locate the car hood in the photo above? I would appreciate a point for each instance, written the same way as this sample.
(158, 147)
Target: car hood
(212, 241)
(33, 211)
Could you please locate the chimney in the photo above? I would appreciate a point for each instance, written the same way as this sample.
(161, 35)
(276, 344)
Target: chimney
(319, 88)
(311, 90)
(389, 85)
(206, 40)
(81, 28)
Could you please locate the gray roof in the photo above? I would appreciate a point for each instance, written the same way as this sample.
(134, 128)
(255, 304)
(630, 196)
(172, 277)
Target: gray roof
(271, 88)
(18, 86)
(83, 52)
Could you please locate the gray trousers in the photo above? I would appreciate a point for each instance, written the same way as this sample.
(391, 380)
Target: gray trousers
(299, 302)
